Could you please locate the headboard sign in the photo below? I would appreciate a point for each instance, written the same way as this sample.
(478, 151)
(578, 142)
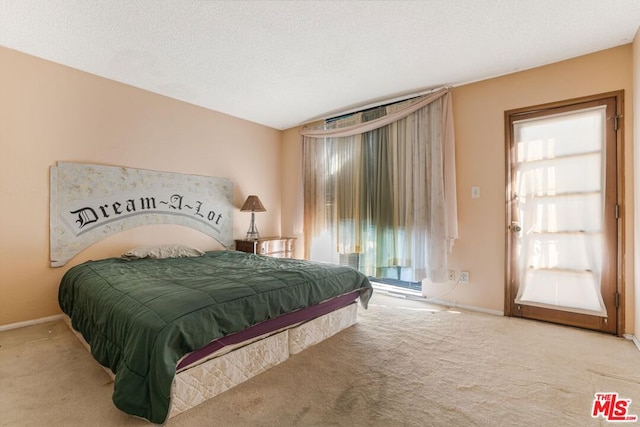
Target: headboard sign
(90, 202)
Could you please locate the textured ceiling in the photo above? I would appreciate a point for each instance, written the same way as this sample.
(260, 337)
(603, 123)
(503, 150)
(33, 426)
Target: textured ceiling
(283, 63)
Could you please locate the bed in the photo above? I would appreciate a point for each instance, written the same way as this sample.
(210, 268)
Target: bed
(176, 330)
(147, 319)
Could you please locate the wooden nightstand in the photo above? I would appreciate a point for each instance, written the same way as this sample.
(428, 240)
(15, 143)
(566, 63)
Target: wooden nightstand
(279, 247)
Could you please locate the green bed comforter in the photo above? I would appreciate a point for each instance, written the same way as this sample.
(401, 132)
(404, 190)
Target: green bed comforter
(140, 317)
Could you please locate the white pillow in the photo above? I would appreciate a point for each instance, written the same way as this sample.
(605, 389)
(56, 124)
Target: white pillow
(162, 251)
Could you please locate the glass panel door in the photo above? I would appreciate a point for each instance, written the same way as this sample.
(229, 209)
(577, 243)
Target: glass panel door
(559, 188)
(562, 215)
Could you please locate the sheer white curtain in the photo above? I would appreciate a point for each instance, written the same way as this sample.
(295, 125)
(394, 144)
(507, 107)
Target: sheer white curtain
(329, 163)
(560, 190)
(381, 183)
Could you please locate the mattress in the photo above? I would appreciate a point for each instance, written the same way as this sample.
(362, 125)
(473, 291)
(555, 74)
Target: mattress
(314, 331)
(204, 381)
(200, 383)
(234, 364)
(264, 329)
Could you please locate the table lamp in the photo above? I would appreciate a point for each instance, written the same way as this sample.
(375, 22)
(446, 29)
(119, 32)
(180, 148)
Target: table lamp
(253, 205)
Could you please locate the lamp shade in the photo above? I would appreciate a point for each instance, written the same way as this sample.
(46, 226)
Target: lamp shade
(252, 204)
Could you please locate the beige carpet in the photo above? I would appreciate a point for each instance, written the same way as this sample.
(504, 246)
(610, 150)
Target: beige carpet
(405, 363)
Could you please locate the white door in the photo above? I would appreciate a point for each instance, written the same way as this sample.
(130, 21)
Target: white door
(562, 214)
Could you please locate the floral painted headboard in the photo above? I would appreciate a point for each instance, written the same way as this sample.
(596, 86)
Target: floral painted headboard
(90, 202)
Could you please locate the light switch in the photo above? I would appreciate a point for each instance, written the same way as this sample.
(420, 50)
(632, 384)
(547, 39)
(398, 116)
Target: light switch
(475, 192)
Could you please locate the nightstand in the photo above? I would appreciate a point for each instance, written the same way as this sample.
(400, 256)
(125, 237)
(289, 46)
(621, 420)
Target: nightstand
(279, 247)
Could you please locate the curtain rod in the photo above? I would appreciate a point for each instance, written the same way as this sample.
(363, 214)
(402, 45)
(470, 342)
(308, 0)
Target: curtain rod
(378, 104)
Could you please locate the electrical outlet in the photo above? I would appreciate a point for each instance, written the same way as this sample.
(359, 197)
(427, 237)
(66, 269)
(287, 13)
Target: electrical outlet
(451, 275)
(463, 277)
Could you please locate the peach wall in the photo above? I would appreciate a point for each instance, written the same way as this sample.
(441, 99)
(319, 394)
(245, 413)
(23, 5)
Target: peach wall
(480, 160)
(636, 162)
(49, 113)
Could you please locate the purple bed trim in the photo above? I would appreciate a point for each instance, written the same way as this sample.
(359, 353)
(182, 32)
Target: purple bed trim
(270, 325)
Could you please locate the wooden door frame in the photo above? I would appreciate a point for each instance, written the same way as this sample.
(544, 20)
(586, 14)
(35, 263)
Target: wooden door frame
(509, 304)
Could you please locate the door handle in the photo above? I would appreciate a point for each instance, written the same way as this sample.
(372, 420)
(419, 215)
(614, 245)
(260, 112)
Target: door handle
(515, 227)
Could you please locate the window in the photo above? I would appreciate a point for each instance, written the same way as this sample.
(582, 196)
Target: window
(379, 189)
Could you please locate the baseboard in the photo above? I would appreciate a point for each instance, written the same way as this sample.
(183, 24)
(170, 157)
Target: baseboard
(451, 304)
(633, 338)
(410, 294)
(30, 322)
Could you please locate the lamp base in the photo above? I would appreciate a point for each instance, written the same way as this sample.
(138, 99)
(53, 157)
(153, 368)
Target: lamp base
(252, 236)
(252, 233)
